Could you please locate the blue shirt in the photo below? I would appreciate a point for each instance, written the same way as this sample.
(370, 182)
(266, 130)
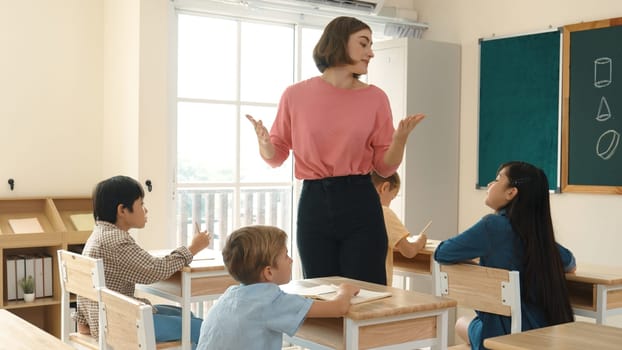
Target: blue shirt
(253, 317)
(494, 242)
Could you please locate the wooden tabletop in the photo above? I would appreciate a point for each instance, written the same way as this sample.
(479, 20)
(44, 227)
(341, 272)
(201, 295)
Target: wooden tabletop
(206, 260)
(19, 334)
(567, 336)
(400, 301)
(430, 245)
(596, 274)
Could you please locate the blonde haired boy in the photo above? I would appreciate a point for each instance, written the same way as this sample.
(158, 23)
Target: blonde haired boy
(256, 313)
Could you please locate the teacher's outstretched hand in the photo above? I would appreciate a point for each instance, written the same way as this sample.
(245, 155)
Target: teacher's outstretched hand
(407, 125)
(266, 149)
(395, 153)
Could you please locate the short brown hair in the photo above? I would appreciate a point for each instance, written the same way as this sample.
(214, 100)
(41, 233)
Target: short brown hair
(332, 48)
(250, 249)
(393, 180)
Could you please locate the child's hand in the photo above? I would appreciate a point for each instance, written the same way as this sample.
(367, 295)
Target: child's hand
(422, 240)
(200, 240)
(348, 289)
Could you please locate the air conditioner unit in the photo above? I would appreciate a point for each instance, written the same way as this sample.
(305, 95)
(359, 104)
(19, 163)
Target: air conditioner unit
(346, 6)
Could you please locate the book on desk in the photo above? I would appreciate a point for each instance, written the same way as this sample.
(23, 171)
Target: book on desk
(329, 291)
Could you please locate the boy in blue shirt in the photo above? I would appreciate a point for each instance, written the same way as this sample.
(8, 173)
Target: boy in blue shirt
(256, 313)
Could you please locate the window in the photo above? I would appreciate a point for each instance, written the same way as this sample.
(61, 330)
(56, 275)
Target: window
(223, 74)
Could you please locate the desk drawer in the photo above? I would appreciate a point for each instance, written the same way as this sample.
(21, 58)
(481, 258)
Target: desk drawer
(420, 263)
(583, 296)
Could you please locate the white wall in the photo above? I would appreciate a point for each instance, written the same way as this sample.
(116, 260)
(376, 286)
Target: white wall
(156, 127)
(83, 96)
(121, 87)
(136, 122)
(51, 97)
(589, 224)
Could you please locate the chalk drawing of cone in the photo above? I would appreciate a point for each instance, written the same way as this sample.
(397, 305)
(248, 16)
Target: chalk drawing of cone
(602, 72)
(604, 112)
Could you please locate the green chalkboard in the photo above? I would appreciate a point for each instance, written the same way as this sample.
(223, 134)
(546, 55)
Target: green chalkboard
(593, 122)
(519, 104)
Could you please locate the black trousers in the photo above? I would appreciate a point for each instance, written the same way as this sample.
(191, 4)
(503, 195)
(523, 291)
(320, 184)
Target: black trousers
(341, 230)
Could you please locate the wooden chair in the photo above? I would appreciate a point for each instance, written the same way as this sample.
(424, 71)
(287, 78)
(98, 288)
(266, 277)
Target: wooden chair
(481, 288)
(83, 276)
(125, 322)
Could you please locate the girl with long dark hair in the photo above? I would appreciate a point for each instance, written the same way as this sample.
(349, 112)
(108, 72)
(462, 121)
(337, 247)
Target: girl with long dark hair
(518, 236)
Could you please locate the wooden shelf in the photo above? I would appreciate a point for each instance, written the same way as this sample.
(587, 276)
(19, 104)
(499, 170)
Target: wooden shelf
(70, 206)
(18, 304)
(59, 232)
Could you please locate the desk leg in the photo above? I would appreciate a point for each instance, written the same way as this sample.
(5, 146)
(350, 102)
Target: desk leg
(186, 343)
(411, 283)
(601, 304)
(442, 326)
(350, 334)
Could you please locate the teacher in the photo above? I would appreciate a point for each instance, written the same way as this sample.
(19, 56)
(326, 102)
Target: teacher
(339, 129)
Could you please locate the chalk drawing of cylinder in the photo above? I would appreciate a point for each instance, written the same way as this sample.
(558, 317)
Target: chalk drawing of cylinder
(602, 72)
(607, 144)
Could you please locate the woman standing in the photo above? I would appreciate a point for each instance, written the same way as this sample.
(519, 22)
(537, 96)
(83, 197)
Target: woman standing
(339, 129)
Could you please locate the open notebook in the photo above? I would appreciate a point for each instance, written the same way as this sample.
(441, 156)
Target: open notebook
(328, 292)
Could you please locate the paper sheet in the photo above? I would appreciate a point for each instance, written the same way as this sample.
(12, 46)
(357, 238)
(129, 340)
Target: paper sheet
(25, 225)
(83, 222)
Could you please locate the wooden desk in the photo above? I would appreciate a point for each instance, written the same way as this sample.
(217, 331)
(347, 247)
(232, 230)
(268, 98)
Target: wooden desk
(417, 271)
(406, 320)
(596, 291)
(567, 336)
(205, 279)
(17, 334)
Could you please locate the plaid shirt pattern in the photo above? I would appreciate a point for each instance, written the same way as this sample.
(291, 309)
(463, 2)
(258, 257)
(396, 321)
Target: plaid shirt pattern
(125, 264)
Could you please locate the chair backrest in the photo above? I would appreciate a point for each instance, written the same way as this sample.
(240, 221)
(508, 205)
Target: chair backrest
(125, 322)
(82, 276)
(481, 288)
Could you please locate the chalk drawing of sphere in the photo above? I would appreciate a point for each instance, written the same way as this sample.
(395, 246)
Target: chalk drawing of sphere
(607, 144)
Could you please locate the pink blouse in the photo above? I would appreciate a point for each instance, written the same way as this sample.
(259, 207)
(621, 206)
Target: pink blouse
(332, 131)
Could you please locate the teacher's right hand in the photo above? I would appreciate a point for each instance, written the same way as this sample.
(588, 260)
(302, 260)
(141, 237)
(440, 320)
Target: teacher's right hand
(263, 136)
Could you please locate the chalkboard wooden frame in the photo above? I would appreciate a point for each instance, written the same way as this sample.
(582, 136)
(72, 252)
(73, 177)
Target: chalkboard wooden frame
(567, 114)
(519, 104)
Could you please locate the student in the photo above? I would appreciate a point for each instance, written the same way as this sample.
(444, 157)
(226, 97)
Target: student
(118, 207)
(397, 233)
(518, 236)
(339, 129)
(256, 313)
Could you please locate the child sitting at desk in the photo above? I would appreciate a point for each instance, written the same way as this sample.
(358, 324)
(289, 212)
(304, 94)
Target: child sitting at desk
(397, 233)
(118, 207)
(518, 236)
(256, 313)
